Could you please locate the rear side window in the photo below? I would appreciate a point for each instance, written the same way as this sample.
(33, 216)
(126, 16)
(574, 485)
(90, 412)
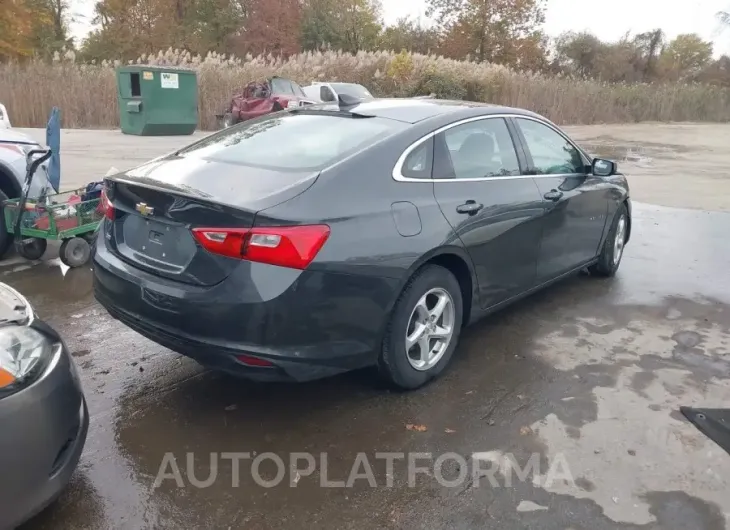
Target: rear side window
(351, 89)
(476, 149)
(325, 94)
(417, 164)
(296, 142)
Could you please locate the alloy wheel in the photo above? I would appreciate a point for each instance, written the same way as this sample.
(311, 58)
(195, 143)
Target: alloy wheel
(430, 329)
(620, 240)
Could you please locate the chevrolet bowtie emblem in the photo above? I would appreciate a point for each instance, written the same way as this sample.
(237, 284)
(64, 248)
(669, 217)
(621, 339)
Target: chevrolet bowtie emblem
(144, 209)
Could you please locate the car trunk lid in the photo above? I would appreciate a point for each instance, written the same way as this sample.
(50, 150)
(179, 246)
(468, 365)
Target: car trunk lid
(157, 205)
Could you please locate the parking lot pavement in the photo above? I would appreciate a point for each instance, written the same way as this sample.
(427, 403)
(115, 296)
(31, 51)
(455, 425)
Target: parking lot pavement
(86, 155)
(578, 386)
(658, 157)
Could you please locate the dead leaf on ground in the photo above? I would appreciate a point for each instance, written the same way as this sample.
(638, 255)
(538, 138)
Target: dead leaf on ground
(449, 431)
(524, 431)
(418, 428)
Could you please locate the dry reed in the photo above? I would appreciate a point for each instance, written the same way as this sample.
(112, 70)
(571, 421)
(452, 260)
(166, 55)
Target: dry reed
(87, 96)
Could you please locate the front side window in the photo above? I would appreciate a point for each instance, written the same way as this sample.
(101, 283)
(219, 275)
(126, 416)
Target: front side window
(477, 149)
(300, 141)
(551, 153)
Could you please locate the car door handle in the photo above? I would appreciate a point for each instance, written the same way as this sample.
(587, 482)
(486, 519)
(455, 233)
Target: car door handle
(553, 195)
(470, 207)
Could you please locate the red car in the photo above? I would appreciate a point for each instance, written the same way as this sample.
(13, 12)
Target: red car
(259, 98)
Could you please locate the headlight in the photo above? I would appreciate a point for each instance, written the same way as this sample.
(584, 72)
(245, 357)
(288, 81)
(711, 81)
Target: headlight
(27, 148)
(24, 355)
(22, 149)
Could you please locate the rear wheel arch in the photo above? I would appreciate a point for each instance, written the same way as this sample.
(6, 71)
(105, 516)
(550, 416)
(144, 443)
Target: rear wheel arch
(10, 188)
(8, 184)
(464, 275)
(456, 261)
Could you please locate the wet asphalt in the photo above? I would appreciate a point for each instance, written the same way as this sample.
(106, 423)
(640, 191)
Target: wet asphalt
(588, 374)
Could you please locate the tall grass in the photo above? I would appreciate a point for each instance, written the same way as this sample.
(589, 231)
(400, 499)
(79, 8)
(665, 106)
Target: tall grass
(86, 93)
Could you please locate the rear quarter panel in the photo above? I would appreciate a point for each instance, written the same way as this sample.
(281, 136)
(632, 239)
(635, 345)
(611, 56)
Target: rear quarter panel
(355, 199)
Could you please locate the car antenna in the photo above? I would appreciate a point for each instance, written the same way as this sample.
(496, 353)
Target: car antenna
(345, 102)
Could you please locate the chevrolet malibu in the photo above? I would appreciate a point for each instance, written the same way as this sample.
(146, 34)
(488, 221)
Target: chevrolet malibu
(324, 239)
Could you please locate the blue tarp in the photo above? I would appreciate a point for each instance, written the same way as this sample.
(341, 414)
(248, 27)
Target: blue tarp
(53, 141)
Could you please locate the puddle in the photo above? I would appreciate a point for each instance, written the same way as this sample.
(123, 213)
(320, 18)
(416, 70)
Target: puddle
(642, 154)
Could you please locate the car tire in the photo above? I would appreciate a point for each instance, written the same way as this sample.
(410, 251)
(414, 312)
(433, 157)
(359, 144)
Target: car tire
(75, 252)
(229, 120)
(411, 368)
(613, 247)
(6, 238)
(31, 248)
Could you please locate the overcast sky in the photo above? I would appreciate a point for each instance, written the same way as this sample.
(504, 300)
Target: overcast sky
(608, 19)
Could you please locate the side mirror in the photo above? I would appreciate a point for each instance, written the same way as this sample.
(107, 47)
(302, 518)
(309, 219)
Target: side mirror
(603, 168)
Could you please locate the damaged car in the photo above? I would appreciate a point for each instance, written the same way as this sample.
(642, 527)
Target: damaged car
(262, 97)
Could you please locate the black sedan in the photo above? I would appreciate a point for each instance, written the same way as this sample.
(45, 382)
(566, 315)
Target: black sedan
(43, 414)
(324, 239)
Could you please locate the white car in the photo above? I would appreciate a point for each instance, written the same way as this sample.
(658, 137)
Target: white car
(4, 118)
(14, 146)
(326, 92)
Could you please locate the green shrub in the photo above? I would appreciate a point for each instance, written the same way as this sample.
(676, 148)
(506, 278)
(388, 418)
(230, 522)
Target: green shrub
(441, 86)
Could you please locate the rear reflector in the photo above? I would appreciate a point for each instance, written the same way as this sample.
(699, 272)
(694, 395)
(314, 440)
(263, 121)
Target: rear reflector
(254, 361)
(287, 246)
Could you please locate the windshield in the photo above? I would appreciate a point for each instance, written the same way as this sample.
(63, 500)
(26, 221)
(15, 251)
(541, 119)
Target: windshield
(295, 142)
(281, 86)
(351, 89)
(298, 90)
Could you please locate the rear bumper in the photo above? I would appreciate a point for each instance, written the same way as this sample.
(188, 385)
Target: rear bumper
(43, 433)
(308, 324)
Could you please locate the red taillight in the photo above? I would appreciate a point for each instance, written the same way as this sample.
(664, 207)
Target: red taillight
(106, 205)
(254, 361)
(286, 246)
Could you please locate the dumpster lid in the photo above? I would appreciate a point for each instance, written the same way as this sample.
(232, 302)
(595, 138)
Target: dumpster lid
(156, 67)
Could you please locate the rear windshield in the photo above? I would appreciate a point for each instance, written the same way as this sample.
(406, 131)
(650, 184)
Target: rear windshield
(295, 142)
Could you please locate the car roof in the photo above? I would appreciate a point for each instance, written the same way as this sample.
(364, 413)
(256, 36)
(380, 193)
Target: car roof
(415, 110)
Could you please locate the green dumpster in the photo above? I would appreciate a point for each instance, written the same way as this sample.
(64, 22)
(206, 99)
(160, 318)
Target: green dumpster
(157, 101)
